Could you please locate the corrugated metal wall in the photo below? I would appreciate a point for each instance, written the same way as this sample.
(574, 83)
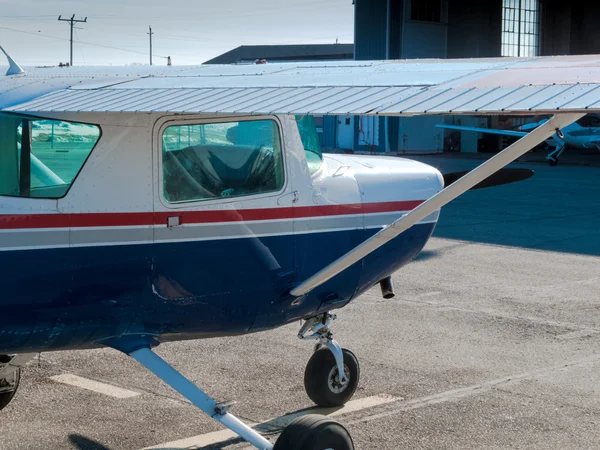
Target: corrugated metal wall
(370, 29)
(328, 137)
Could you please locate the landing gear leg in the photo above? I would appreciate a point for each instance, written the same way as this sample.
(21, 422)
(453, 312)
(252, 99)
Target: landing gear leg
(332, 373)
(553, 157)
(306, 433)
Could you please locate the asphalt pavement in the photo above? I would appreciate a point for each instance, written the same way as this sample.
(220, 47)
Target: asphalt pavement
(492, 342)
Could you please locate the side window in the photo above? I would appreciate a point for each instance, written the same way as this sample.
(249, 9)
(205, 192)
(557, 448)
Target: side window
(221, 160)
(40, 158)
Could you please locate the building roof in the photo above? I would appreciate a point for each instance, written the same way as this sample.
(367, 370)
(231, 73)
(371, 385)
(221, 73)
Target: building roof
(302, 52)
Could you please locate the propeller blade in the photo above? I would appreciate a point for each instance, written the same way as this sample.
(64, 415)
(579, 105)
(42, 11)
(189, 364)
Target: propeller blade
(503, 176)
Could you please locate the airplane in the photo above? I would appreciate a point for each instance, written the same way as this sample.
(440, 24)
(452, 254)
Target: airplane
(584, 133)
(142, 205)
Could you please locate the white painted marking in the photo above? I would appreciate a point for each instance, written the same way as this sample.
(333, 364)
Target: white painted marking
(276, 424)
(199, 441)
(94, 386)
(477, 389)
(350, 407)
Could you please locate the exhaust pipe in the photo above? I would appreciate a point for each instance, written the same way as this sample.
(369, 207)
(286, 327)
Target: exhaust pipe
(387, 288)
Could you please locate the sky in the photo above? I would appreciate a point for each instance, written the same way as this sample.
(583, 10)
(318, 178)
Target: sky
(190, 31)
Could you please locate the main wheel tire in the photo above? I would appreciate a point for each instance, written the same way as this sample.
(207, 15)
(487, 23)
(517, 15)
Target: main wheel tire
(7, 397)
(314, 432)
(321, 379)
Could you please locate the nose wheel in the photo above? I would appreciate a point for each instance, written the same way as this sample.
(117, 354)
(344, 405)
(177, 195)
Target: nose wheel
(332, 373)
(322, 380)
(314, 432)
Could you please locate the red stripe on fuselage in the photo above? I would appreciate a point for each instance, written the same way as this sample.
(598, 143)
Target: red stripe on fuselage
(86, 220)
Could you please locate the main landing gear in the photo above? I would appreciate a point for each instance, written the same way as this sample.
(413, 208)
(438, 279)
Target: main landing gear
(555, 155)
(314, 432)
(310, 432)
(10, 376)
(332, 373)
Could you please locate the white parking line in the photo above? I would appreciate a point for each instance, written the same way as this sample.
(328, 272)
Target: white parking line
(95, 386)
(275, 424)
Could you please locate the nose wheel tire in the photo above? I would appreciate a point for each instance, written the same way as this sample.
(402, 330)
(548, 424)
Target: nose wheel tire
(314, 432)
(6, 397)
(322, 380)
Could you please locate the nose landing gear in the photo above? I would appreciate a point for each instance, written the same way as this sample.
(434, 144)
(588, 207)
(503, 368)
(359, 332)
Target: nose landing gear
(332, 373)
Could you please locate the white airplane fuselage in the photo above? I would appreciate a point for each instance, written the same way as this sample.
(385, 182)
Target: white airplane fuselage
(114, 257)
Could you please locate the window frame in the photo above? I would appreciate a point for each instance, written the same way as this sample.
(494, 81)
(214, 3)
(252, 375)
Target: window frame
(57, 119)
(514, 19)
(165, 122)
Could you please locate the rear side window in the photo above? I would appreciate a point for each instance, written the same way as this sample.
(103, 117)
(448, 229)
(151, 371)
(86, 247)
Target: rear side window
(221, 160)
(40, 158)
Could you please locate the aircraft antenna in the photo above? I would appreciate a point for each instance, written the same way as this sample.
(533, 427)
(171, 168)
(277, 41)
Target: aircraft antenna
(72, 21)
(150, 33)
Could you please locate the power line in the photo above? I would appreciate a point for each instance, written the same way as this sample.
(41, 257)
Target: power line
(77, 41)
(80, 50)
(72, 21)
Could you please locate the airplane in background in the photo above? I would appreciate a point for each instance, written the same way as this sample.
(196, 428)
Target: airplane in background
(148, 205)
(584, 133)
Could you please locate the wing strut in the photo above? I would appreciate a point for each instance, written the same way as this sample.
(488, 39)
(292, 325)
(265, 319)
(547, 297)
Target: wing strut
(442, 198)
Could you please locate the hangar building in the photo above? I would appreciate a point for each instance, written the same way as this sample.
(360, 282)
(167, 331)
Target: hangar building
(400, 29)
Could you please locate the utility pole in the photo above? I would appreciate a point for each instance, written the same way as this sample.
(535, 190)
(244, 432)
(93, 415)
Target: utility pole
(150, 34)
(72, 21)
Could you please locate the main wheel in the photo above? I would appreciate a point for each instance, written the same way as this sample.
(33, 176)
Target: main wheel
(6, 397)
(322, 380)
(553, 162)
(314, 432)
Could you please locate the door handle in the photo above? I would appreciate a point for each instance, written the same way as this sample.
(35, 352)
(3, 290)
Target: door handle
(288, 199)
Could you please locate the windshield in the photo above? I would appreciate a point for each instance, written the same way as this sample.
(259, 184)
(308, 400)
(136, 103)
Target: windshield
(40, 157)
(310, 140)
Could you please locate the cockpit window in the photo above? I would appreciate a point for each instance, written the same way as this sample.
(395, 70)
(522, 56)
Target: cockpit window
(310, 140)
(221, 160)
(40, 158)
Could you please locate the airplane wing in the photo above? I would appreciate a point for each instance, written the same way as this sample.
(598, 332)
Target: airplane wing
(544, 85)
(483, 130)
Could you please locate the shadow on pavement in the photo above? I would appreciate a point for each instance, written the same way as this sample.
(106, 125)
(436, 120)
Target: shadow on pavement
(556, 210)
(83, 443)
